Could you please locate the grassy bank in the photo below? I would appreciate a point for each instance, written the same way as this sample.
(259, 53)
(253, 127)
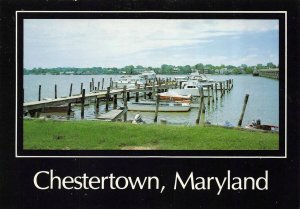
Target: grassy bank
(96, 135)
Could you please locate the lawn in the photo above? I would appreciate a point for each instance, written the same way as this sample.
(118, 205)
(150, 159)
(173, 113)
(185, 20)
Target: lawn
(97, 135)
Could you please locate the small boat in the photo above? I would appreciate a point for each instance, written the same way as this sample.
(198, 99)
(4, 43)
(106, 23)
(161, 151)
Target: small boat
(130, 81)
(257, 125)
(190, 87)
(255, 73)
(149, 75)
(150, 106)
(173, 96)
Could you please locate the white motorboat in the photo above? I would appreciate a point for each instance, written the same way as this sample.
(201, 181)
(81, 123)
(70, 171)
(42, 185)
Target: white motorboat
(150, 106)
(130, 81)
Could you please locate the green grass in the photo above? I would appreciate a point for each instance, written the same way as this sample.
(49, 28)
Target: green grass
(96, 135)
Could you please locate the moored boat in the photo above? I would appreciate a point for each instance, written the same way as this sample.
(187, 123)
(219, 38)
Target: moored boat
(150, 106)
(173, 96)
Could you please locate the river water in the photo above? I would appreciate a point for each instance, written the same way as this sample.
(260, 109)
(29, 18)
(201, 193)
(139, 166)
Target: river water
(263, 100)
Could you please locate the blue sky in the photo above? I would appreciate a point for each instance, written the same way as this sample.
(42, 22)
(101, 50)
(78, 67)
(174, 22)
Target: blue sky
(148, 42)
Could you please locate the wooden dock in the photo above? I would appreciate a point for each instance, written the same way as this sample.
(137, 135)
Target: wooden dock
(112, 115)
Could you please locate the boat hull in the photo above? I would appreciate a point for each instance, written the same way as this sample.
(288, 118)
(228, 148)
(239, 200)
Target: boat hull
(146, 107)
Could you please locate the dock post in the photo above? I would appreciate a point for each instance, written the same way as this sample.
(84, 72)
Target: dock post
(243, 111)
(224, 87)
(153, 90)
(156, 108)
(212, 93)
(107, 98)
(40, 92)
(81, 87)
(98, 85)
(231, 83)
(145, 93)
(55, 91)
(200, 105)
(227, 84)
(90, 86)
(125, 103)
(128, 96)
(69, 105)
(216, 91)
(102, 83)
(208, 95)
(82, 103)
(110, 82)
(115, 101)
(221, 88)
(137, 94)
(97, 105)
(93, 85)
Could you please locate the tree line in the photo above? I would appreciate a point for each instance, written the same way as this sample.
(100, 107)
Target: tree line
(164, 69)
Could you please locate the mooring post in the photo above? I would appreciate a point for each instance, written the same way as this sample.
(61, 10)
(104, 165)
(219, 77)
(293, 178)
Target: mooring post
(156, 108)
(125, 103)
(55, 91)
(243, 111)
(128, 95)
(69, 105)
(107, 98)
(90, 86)
(98, 87)
(110, 82)
(145, 93)
(212, 93)
(115, 101)
(227, 85)
(102, 83)
(82, 103)
(153, 90)
(224, 88)
(39, 92)
(81, 87)
(137, 93)
(200, 105)
(216, 91)
(97, 105)
(221, 89)
(231, 83)
(208, 95)
(93, 84)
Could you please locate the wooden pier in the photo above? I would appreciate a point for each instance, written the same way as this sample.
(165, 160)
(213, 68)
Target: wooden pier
(113, 93)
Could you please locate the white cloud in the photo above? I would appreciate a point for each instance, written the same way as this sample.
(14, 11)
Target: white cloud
(99, 40)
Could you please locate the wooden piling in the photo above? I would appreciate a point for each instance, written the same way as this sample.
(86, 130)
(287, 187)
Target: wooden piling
(82, 103)
(93, 85)
(110, 82)
(137, 94)
(102, 83)
(115, 101)
(90, 86)
(55, 91)
(81, 87)
(128, 96)
(243, 111)
(156, 108)
(97, 105)
(145, 93)
(212, 93)
(40, 88)
(107, 98)
(227, 85)
(98, 87)
(69, 105)
(200, 105)
(216, 91)
(125, 103)
(221, 89)
(208, 95)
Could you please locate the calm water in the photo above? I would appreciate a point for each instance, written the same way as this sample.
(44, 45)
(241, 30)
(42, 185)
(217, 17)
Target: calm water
(263, 101)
